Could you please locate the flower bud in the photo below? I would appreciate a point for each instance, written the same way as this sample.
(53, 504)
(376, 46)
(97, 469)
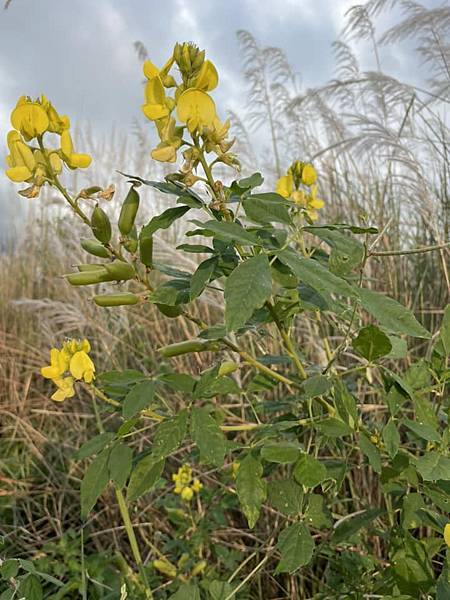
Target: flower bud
(116, 299)
(100, 224)
(128, 211)
(95, 248)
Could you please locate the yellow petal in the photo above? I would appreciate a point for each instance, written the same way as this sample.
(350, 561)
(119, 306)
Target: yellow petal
(154, 91)
(447, 534)
(164, 153)
(79, 161)
(149, 69)
(55, 162)
(23, 156)
(80, 363)
(155, 111)
(196, 106)
(18, 174)
(30, 118)
(207, 78)
(50, 372)
(66, 143)
(316, 203)
(85, 345)
(309, 175)
(285, 185)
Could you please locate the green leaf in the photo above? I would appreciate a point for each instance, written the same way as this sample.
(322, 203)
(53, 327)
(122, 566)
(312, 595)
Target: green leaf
(9, 568)
(246, 289)
(317, 385)
(267, 208)
(309, 471)
(208, 436)
(315, 275)
(202, 275)
(286, 496)
(138, 398)
(187, 591)
(169, 435)
(30, 588)
(120, 461)
(229, 232)
(346, 254)
(391, 438)
(296, 547)
(251, 488)
(372, 453)
(423, 430)
(412, 505)
(392, 316)
(94, 445)
(164, 220)
(372, 343)
(347, 528)
(94, 482)
(345, 404)
(144, 476)
(283, 453)
(218, 590)
(334, 428)
(434, 466)
(254, 180)
(445, 330)
(317, 514)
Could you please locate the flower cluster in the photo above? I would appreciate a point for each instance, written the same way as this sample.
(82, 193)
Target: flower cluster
(71, 363)
(36, 164)
(290, 186)
(185, 484)
(190, 108)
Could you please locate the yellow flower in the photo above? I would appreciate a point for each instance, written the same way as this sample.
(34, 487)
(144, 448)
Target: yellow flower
(164, 153)
(285, 185)
(185, 486)
(21, 160)
(82, 367)
(207, 78)
(187, 494)
(196, 109)
(313, 203)
(30, 118)
(57, 124)
(65, 389)
(59, 363)
(447, 534)
(155, 106)
(196, 486)
(309, 175)
(72, 159)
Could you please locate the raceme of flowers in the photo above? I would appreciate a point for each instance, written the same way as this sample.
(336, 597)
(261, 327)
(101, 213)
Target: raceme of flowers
(69, 364)
(189, 109)
(299, 185)
(185, 484)
(29, 160)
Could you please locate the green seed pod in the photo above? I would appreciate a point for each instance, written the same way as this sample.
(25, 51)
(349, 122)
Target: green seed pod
(185, 348)
(116, 299)
(89, 267)
(95, 248)
(131, 242)
(87, 277)
(199, 568)
(227, 367)
(165, 567)
(100, 224)
(169, 311)
(119, 270)
(128, 211)
(146, 247)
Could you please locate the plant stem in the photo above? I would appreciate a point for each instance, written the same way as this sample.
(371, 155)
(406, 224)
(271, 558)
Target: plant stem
(412, 251)
(132, 539)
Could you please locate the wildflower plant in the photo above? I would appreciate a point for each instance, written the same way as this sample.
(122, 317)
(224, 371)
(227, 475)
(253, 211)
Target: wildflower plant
(275, 267)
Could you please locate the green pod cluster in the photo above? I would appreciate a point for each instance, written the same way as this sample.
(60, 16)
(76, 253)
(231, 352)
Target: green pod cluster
(124, 299)
(101, 225)
(128, 211)
(188, 347)
(146, 247)
(94, 247)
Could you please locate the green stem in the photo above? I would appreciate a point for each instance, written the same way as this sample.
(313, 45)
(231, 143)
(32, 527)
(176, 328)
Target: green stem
(132, 539)
(412, 251)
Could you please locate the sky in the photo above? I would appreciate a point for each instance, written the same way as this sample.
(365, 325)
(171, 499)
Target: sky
(81, 54)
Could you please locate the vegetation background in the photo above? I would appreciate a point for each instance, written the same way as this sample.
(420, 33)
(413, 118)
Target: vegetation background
(380, 147)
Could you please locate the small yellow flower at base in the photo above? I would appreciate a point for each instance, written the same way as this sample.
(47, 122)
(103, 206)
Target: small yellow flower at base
(285, 185)
(309, 175)
(65, 389)
(187, 494)
(447, 534)
(196, 109)
(30, 118)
